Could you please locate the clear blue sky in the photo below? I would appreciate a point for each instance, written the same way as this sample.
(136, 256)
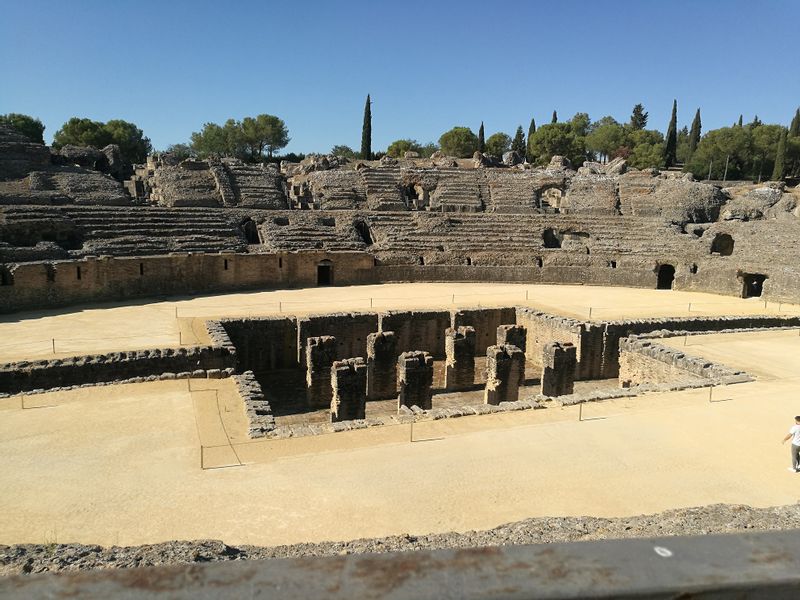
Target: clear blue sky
(170, 66)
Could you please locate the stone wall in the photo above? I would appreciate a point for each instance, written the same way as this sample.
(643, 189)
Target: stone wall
(152, 364)
(418, 329)
(263, 343)
(485, 321)
(350, 330)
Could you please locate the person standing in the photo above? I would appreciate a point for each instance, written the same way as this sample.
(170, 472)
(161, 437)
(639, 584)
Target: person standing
(794, 435)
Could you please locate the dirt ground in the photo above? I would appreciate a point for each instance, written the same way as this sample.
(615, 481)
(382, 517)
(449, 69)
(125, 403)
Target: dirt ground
(122, 464)
(144, 324)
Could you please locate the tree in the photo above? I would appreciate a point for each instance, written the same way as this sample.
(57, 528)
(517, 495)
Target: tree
(210, 141)
(638, 118)
(428, 149)
(794, 128)
(459, 141)
(780, 158)
(756, 122)
(82, 132)
(647, 149)
(366, 132)
(481, 140)
(580, 124)
(671, 145)
(765, 140)
(694, 134)
(180, 151)
(263, 133)
(343, 151)
(682, 151)
(606, 138)
(727, 144)
(557, 139)
(518, 143)
(133, 145)
(30, 127)
(554, 119)
(740, 121)
(531, 131)
(399, 147)
(498, 144)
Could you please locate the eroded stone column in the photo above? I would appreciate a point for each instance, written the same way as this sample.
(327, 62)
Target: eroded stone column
(320, 355)
(505, 368)
(516, 335)
(559, 360)
(382, 365)
(349, 386)
(415, 378)
(459, 370)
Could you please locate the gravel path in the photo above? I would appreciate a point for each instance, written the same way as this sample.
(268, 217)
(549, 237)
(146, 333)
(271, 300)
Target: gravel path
(717, 518)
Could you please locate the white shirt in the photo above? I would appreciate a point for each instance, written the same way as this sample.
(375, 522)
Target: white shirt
(795, 433)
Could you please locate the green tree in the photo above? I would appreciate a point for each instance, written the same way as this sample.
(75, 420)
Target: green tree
(694, 134)
(638, 117)
(756, 122)
(739, 124)
(459, 141)
(30, 127)
(342, 151)
(780, 158)
(498, 144)
(671, 145)
(580, 124)
(646, 149)
(133, 145)
(366, 132)
(210, 141)
(606, 138)
(531, 131)
(260, 134)
(554, 118)
(481, 140)
(718, 146)
(399, 147)
(428, 149)
(557, 139)
(765, 139)
(518, 143)
(682, 152)
(82, 132)
(794, 128)
(180, 151)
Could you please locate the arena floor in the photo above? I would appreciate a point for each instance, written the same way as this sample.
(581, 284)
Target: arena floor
(122, 464)
(143, 324)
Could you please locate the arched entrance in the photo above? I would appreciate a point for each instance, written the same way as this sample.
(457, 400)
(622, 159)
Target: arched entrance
(325, 272)
(752, 284)
(250, 230)
(722, 244)
(666, 277)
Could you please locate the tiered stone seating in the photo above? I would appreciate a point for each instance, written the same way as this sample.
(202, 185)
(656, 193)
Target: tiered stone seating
(458, 190)
(298, 230)
(384, 191)
(256, 185)
(154, 230)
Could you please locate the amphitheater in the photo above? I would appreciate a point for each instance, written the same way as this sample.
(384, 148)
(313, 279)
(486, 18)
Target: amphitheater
(335, 350)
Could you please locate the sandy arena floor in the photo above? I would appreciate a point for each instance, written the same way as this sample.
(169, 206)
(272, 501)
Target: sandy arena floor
(122, 464)
(144, 324)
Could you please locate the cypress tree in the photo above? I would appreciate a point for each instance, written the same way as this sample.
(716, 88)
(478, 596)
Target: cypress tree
(638, 117)
(555, 117)
(366, 132)
(740, 120)
(780, 158)
(671, 146)
(481, 141)
(531, 131)
(518, 143)
(694, 134)
(794, 128)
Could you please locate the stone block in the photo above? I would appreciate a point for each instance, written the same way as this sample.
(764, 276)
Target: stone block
(505, 369)
(459, 371)
(559, 362)
(349, 385)
(382, 365)
(415, 378)
(320, 356)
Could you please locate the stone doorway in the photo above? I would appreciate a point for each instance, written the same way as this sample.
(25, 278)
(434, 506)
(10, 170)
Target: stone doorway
(666, 277)
(325, 273)
(752, 285)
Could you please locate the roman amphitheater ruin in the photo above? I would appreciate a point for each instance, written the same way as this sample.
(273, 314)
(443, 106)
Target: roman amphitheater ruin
(253, 353)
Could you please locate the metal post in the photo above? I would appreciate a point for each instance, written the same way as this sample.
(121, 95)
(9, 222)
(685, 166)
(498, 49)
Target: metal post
(453, 300)
(280, 306)
(580, 412)
(54, 345)
(411, 432)
(685, 339)
(710, 392)
(590, 312)
(176, 312)
(690, 307)
(526, 295)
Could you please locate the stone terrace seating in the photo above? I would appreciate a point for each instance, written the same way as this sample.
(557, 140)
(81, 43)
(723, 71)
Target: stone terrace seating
(384, 191)
(300, 230)
(459, 190)
(154, 230)
(255, 185)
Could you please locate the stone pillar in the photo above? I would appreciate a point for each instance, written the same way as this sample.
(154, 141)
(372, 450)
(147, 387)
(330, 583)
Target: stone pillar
(459, 369)
(320, 354)
(382, 365)
(516, 335)
(505, 368)
(512, 334)
(559, 360)
(349, 385)
(415, 378)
